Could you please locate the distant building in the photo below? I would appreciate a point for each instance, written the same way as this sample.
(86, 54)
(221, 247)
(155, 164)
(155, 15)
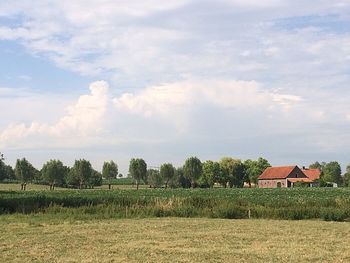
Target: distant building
(287, 176)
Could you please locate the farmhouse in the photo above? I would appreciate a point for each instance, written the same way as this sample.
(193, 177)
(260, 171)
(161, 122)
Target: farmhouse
(287, 176)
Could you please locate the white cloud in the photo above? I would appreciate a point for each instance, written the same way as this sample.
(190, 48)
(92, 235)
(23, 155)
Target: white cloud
(90, 120)
(81, 124)
(142, 42)
(256, 3)
(198, 50)
(192, 112)
(241, 95)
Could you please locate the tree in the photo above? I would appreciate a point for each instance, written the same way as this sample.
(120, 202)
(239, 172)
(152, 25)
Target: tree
(331, 172)
(167, 172)
(110, 171)
(317, 165)
(9, 172)
(95, 179)
(71, 179)
(138, 170)
(347, 176)
(154, 178)
(24, 172)
(181, 178)
(234, 171)
(254, 169)
(211, 173)
(6, 171)
(54, 172)
(193, 170)
(81, 172)
(2, 169)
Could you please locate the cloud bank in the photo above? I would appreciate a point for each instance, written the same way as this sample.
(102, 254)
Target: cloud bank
(100, 118)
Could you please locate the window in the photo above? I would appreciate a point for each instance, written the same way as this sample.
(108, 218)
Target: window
(279, 185)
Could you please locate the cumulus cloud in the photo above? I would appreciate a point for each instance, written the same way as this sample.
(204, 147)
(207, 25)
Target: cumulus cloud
(162, 100)
(88, 120)
(82, 122)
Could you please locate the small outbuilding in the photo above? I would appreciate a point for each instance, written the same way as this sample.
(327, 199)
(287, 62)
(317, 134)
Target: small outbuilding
(287, 176)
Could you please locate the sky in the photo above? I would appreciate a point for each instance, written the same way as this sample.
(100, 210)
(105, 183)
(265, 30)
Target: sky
(166, 80)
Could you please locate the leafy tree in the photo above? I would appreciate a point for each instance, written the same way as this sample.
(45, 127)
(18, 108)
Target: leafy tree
(183, 181)
(193, 170)
(110, 171)
(6, 171)
(211, 173)
(95, 179)
(317, 165)
(2, 170)
(54, 172)
(71, 179)
(138, 170)
(154, 178)
(347, 177)
(9, 172)
(331, 172)
(81, 172)
(254, 169)
(167, 172)
(234, 171)
(24, 172)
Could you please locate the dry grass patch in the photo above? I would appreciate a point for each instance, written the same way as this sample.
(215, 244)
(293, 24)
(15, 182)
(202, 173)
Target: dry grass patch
(173, 240)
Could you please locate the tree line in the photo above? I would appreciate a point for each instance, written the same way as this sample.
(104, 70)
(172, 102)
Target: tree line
(54, 173)
(228, 172)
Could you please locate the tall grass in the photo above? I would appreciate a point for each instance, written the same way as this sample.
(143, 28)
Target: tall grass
(294, 204)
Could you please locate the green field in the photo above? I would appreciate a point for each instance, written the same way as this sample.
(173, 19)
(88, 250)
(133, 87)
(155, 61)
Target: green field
(39, 187)
(43, 239)
(297, 203)
(30, 187)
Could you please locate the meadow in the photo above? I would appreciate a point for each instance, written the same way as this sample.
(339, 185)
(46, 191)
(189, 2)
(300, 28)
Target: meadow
(40, 238)
(293, 204)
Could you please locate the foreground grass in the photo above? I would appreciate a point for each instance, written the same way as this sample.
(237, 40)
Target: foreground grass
(40, 239)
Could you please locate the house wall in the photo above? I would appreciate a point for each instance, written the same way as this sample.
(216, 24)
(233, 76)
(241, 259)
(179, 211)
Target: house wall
(272, 183)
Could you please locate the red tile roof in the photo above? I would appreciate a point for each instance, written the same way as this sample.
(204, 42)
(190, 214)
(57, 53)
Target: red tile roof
(312, 174)
(280, 172)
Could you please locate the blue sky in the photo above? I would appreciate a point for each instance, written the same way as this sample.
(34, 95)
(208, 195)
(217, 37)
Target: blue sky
(165, 80)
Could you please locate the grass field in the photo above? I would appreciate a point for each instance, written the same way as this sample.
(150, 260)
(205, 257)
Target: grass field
(43, 239)
(38, 187)
(30, 187)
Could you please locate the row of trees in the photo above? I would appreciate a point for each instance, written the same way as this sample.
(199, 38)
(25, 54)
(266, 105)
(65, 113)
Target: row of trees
(228, 172)
(54, 173)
